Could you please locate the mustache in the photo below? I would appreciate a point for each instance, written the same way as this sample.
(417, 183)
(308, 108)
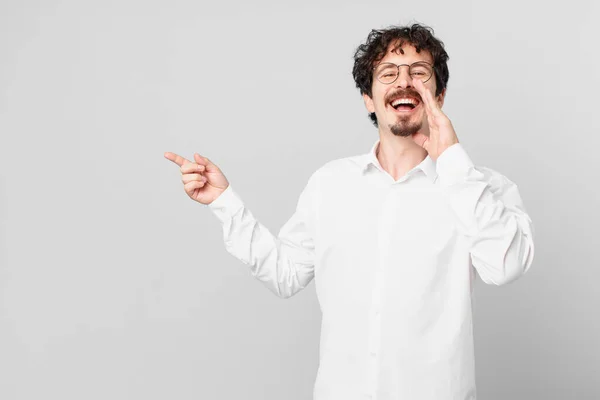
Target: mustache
(402, 93)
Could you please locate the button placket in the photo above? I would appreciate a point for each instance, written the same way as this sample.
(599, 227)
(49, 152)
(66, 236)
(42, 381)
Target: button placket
(374, 342)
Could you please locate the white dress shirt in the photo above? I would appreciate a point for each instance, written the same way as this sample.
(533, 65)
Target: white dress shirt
(394, 263)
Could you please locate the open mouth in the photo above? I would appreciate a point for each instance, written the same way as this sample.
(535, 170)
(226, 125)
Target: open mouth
(405, 104)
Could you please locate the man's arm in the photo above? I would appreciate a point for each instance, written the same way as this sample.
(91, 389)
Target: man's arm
(490, 211)
(284, 263)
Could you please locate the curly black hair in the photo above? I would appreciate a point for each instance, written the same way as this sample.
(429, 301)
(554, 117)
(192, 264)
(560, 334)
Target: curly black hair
(368, 54)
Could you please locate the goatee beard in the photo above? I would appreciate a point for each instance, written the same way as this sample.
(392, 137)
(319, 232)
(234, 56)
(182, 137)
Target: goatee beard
(404, 128)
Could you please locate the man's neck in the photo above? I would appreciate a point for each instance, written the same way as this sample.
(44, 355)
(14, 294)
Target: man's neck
(398, 155)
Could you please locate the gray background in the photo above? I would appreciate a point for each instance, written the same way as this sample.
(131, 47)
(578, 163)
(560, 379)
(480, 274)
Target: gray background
(113, 284)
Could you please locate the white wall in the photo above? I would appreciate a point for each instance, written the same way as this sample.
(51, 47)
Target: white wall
(113, 284)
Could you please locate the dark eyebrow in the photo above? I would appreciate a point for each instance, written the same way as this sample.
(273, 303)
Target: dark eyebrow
(385, 65)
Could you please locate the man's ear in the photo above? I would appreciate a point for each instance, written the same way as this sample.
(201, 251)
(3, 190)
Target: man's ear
(441, 97)
(369, 103)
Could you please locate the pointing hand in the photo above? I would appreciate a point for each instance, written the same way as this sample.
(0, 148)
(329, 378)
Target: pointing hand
(202, 180)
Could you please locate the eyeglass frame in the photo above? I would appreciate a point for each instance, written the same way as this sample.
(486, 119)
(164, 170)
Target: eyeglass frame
(402, 65)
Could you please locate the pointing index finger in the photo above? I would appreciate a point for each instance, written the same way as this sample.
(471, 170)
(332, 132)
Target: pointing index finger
(177, 159)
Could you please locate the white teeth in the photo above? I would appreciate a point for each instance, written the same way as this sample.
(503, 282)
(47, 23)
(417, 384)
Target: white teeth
(404, 101)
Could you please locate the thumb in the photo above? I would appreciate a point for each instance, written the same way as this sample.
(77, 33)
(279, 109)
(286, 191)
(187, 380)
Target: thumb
(201, 160)
(206, 162)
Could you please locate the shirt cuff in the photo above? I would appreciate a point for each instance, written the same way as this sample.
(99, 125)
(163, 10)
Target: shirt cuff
(226, 205)
(453, 165)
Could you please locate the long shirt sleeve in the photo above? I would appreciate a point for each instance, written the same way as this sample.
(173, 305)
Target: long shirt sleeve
(284, 263)
(489, 211)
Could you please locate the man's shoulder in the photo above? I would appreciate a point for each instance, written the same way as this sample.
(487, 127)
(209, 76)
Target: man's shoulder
(495, 179)
(340, 166)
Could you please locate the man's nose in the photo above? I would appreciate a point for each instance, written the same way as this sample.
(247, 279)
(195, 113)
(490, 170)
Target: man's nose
(404, 80)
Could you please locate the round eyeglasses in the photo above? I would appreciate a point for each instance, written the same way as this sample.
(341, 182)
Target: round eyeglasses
(387, 73)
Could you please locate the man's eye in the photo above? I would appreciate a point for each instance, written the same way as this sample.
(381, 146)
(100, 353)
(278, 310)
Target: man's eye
(389, 74)
(418, 73)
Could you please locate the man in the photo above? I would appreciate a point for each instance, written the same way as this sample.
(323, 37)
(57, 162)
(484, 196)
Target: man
(393, 237)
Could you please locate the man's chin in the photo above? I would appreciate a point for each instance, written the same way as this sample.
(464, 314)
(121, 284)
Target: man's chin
(404, 129)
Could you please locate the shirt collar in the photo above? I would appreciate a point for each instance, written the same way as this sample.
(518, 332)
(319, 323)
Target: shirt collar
(427, 165)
